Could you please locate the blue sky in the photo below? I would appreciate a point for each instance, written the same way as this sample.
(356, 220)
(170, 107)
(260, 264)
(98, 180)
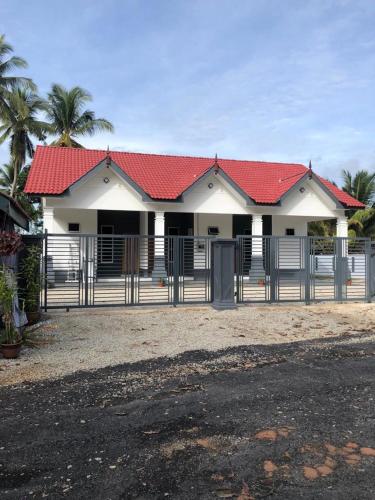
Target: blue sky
(269, 80)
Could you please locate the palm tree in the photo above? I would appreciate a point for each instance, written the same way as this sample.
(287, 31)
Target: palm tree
(362, 223)
(7, 83)
(361, 186)
(7, 177)
(19, 125)
(68, 118)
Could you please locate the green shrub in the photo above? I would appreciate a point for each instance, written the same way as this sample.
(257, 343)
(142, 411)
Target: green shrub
(30, 273)
(8, 291)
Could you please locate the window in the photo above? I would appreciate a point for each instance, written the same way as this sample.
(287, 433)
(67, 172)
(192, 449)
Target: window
(173, 231)
(213, 230)
(289, 231)
(74, 227)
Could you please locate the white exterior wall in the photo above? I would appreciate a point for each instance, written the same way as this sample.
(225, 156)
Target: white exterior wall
(96, 194)
(213, 207)
(88, 220)
(281, 223)
(223, 222)
(201, 224)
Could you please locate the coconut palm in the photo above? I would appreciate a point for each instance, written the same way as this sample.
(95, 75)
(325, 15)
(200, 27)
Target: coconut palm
(19, 124)
(361, 186)
(7, 64)
(68, 118)
(362, 223)
(7, 177)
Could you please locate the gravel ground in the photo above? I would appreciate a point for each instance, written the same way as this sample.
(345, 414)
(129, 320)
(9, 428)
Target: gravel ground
(287, 422)
(91, 339)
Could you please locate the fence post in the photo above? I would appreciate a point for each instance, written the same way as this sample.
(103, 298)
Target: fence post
(176, 268)
(223, 273)
(237, 270)
(272, 266)
(132, 267)
(86, 269)
(308, 270)
(45, 268)
(369, 271)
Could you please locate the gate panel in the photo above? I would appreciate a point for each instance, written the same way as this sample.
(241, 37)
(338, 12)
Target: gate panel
(294, 268)
(357, 285)
(194, 262)
(289, 268)
(63, 271)
(110, 270)
(255, 256)
(154, 284)
(324, 268)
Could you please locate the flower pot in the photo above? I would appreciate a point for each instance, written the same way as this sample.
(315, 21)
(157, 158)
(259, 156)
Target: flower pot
(11, 351)
(349, 282)
(33, 317)
(261, 283)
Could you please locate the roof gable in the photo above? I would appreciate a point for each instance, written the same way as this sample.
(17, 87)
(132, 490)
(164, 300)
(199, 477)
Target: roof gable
(165, 177)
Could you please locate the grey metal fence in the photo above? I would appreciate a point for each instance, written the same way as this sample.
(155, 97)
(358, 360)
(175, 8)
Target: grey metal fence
(295, 269)
(372, 269)
(102, 270)
(113, 270)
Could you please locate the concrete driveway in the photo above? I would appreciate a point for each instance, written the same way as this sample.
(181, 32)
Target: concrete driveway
(289, 421)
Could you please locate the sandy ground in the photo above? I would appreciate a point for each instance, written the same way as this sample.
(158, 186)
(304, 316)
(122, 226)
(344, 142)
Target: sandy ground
(91, 339)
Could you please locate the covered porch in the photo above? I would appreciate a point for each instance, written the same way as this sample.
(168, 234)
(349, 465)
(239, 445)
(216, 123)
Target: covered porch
(152, 254)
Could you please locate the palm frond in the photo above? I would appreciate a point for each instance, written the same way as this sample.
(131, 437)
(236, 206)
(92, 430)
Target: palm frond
(67, 117)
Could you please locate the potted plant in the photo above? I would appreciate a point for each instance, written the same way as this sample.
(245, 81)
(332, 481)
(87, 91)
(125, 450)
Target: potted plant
(161, 282)
(11, 339)
(30, 274)
(262, 282)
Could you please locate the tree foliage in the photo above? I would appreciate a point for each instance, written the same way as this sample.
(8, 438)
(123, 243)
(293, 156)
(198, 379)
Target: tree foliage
(361, 186)
(8, 63)
(68, 117)
(19, 125)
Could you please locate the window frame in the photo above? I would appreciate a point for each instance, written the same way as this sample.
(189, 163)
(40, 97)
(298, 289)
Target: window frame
(74, 231)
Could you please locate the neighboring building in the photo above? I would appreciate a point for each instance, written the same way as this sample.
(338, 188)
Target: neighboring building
(97, 192)
(12, 214)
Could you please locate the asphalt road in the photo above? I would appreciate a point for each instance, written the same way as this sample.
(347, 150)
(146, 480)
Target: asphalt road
(291, 421)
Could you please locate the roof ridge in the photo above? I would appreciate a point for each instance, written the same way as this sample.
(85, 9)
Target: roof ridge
(105, 151)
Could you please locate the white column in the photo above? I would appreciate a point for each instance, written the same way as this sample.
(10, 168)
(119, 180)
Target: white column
(342, 232)
(48, 219)
(257, 230)
(159, 272)
(159, 231)
(342, 227)
(143, 231)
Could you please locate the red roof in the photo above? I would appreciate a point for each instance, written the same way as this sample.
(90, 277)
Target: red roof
(165, 177)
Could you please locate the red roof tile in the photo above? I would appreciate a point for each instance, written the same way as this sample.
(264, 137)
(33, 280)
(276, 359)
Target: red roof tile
(54, 170)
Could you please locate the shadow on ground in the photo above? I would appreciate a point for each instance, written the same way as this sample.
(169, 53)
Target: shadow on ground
(290, 421)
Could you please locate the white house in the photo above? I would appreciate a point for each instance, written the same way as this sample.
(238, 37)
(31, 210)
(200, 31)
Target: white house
(93, 191)
(98, 192)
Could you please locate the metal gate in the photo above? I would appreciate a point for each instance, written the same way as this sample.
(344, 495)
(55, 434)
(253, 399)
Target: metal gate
(296, 269)
(111, 270)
